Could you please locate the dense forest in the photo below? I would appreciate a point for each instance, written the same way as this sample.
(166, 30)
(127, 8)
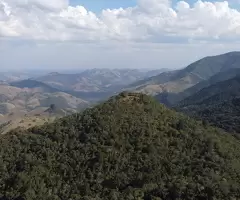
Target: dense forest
(218, 104)
(128, 148)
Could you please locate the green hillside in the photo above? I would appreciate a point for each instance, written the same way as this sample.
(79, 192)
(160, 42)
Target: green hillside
(128, 148)
(171, 99)
(219, 104)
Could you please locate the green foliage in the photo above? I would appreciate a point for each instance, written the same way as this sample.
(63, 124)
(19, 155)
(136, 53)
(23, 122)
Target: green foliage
(218, 104)
(171, 99)
(129, 148)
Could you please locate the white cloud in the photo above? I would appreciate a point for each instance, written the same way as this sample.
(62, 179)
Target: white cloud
(156, 22)
(149, 20)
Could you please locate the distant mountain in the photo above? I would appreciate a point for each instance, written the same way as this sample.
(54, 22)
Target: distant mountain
(218, 104)
(18, 101)
(219, 77)
(171, 99)
(179, 80)
(16, 75)
(44, 90)
(96, 80)
(29, 83)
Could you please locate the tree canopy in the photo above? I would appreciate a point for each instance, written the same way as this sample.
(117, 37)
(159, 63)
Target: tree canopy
(128, 148)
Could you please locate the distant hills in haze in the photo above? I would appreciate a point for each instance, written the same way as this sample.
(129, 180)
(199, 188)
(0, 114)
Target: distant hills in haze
(96, 80)
(173, 98)
(75, 91)
(179, 80)
(69, 93)
(30, 97)
(31, 84)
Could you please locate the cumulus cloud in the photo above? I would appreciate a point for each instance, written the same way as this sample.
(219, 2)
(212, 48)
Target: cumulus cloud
(55, 34)
(149, 20)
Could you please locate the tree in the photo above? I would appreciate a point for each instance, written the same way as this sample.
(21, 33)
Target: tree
(52, 107)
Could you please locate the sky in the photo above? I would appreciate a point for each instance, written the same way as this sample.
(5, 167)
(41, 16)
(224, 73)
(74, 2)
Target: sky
(81, 34)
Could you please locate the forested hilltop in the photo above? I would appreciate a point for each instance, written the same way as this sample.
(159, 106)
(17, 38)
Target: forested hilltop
(130, 147)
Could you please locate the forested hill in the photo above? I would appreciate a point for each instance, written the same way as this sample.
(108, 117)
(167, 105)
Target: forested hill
(218, 104)
(129, 147)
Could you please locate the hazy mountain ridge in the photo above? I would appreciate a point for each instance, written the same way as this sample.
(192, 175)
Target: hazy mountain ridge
(68, 92)
(179, 80)
(31, 84)
(20, 101)
(96, 80)
(17, 75)
(75, 91)
(219, 77)
(171, 99)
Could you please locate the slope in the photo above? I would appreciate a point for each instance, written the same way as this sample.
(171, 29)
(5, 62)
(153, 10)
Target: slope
(179, 80)
(171, 99)
(29, 83)
(17, 101)
(219, 104)
(129, 147)
(26, 122)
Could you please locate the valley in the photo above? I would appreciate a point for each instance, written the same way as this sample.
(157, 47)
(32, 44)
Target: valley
(71, 93)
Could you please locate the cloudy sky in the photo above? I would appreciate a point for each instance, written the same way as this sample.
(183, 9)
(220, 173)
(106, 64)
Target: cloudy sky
(70, 34)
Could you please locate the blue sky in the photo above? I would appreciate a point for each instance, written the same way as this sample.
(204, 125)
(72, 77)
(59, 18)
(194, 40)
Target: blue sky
(98, 5)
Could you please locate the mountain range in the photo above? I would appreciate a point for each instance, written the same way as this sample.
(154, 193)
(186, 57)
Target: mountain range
(69, 93)
(130, 146)
(177, 81)
(96, 80)
(73, 92)
(173, 98)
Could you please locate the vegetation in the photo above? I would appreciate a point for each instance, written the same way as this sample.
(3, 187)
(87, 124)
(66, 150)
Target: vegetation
(171, 99)
(218, 104)
(53, 107)
(25, 122)
(128, 148)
